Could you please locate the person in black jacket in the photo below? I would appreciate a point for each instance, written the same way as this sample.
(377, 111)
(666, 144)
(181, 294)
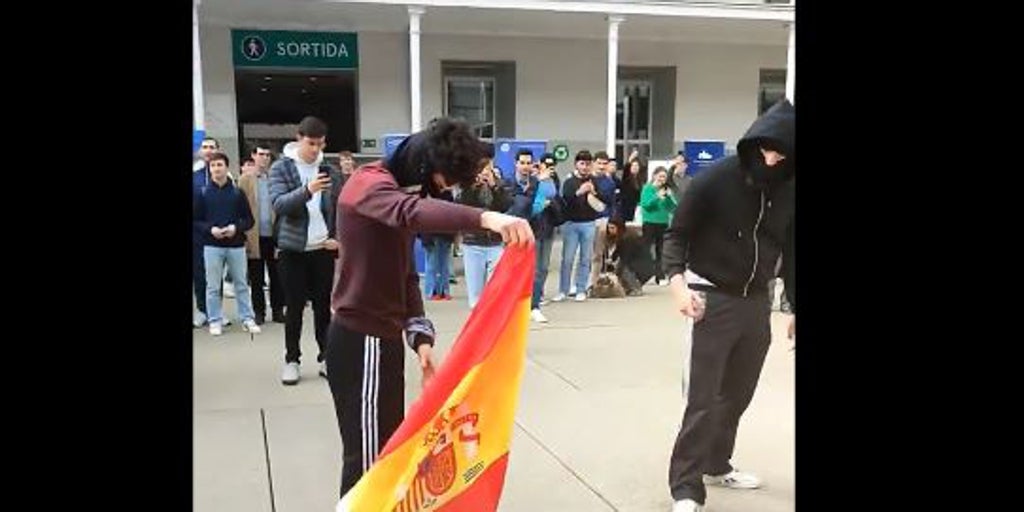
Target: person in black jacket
(634, 177)
(726, 236)
(585, 202)
(482, 248)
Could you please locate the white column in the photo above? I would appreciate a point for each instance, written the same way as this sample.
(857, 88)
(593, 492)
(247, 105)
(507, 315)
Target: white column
(613, 71)
(197, 72)
(415, 14)
(791, 64)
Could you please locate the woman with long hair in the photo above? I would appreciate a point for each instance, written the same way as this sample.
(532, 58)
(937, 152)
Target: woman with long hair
(634, 176)
(658, 204)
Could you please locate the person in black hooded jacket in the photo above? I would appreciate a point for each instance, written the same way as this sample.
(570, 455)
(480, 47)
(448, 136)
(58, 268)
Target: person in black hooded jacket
(735, 220)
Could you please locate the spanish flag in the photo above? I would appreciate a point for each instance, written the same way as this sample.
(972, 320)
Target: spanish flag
(451, 451)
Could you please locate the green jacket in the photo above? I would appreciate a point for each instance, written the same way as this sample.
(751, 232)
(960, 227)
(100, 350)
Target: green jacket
(656, 211)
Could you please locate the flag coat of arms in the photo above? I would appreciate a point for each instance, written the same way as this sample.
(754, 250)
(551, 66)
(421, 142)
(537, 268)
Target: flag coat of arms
(451, 451)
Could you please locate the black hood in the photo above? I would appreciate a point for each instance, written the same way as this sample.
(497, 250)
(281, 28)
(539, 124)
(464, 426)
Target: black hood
(408, 163)
(446, 147)
(775, 129)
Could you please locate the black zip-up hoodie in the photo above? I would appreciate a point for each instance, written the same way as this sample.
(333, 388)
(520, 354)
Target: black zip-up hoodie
(736, 217)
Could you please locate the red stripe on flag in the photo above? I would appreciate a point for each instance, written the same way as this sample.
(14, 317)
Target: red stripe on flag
(490, 317)
(422, 486)
(417, 492)
(483, 493)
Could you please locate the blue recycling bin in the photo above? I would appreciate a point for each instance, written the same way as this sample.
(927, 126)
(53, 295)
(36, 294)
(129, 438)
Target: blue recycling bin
(197, 139)
(419, 256)
(701, 154)
(505, 154)
(390, 142)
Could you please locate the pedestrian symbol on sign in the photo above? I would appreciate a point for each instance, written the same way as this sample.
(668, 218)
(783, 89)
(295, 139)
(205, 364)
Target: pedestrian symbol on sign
(253, 48)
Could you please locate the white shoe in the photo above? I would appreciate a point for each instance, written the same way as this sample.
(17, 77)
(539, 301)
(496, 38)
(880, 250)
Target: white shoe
(216, 329)
(581, 296)
(558, 298)
(198, 319)
(290, 374)
(538, 317)
(250, 326)
(323, 369)
(663, 282)
(572, 290)
(229, 291)
(686, 506)
(734, 480)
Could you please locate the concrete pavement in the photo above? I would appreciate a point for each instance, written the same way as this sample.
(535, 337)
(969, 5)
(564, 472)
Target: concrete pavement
(600, 403)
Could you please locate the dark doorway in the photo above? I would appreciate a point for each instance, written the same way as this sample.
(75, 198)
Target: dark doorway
(271, 103)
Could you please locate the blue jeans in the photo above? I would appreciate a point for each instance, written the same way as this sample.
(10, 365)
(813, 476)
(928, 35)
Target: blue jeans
(199, 276)
(541, 275)
(234, 258)
(479, 261)
(436, 270)
(576, 235)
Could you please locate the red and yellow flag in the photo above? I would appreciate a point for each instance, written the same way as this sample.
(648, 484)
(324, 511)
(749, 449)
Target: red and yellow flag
(451, 452)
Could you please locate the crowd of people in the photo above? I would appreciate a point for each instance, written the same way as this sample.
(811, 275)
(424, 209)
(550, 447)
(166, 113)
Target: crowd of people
(339, 240)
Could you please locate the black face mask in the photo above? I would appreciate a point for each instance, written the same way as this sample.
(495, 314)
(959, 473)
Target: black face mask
(764, 176)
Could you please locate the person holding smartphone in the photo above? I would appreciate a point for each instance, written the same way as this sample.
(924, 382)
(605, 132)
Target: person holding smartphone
(483, 248)
(657, 203)
(304, 191)
(547, 203)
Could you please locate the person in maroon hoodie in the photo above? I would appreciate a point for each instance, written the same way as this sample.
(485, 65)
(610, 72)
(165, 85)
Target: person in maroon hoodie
(376, 296)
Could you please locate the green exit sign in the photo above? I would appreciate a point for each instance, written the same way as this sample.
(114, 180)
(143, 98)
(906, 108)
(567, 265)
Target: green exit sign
(288, 49)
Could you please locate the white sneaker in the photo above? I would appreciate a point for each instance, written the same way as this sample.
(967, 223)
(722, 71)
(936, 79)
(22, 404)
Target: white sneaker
(323, 369)
(216, 329)
(558, 298)
(250, 326)
(572, 290)
(198, 319)
(686, 506)
(538, 317)
(290, 374)
(734, 480)
(663, 282)
(229, 291)
(581, 296)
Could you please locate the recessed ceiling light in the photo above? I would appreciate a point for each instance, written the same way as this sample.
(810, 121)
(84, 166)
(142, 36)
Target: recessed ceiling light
(263, 89)
(303, 91)
(267, 78)
(312, 79)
